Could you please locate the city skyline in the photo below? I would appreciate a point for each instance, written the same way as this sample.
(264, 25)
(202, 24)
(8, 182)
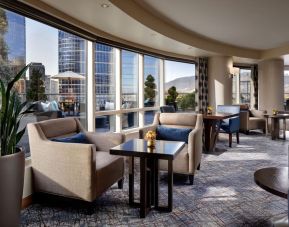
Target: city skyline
(35, 48)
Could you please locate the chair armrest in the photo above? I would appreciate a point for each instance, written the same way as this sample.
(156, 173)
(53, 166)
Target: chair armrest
(195, 148)
(64, 168)
(105, 141)
(258, 113)
(144, 130)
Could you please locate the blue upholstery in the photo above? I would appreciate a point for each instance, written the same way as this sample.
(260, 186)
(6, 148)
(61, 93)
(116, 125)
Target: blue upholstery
(230, 125)
(77, 138)
(173, 134)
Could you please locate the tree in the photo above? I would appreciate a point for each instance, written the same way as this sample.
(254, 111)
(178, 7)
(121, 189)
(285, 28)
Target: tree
(187, 101)
(150, 88)
(36, 90)
(173, 94)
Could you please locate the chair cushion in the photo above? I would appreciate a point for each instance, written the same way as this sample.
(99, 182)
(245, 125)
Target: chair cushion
(173, 134)
(54, 106)
(76, 138)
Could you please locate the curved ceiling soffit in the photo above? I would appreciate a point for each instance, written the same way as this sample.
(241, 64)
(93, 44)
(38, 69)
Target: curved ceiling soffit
(42, 6)
(140, 14)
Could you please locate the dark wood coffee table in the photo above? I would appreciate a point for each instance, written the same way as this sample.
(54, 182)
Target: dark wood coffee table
(274, 180)
(212, 127)
(149, 168)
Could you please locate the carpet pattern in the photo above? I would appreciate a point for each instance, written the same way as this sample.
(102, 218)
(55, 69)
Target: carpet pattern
(223, 194)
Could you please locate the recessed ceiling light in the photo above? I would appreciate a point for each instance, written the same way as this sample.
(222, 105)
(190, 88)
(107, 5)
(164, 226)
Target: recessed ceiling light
(104, 5)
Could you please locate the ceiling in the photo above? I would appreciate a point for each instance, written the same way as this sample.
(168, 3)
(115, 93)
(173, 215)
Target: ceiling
(257, 24)
(114, 21)
(243, 29)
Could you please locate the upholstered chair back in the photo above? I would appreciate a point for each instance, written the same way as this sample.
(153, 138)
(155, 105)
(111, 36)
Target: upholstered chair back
(60, 127)
(177, 120)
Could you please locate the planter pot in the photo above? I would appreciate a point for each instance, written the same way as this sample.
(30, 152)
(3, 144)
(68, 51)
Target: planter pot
(11, 188)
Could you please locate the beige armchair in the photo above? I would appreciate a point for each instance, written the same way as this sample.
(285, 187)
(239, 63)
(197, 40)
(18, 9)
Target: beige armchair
(80, 171)
(252, 119)
(189, 159)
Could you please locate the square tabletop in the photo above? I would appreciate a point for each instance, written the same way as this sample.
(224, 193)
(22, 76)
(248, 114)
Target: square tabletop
(138, 148)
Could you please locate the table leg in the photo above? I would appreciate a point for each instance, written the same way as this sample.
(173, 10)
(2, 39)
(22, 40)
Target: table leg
(211, 134)
(131, 181)
(143, 187)
(275, 129)
(156, 183)
(152, 180)
(284, 128)
(170, 185)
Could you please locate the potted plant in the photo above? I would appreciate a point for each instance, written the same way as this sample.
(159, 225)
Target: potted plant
(172, 96)
(12, 158)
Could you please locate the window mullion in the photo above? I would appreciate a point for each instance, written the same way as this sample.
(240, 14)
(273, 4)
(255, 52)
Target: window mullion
(162, 82)
(91, 99)
(141, 88)
(118, 89)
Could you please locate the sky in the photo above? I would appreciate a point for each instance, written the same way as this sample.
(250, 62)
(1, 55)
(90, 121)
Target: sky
(42, 46)
(175, 70)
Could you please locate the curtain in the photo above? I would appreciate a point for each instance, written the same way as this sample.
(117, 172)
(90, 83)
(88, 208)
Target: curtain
(255, 84)
(202, 82)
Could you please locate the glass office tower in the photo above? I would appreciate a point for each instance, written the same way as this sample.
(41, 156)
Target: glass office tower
(71, 58)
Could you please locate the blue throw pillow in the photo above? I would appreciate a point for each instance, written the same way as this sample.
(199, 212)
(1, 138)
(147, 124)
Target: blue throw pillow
(77, 138)
(173, 134)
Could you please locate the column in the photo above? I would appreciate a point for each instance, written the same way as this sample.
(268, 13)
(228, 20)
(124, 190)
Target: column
(271, 84)
(219, 80)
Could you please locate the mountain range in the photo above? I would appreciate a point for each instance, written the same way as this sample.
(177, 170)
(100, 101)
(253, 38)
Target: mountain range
(183, 84)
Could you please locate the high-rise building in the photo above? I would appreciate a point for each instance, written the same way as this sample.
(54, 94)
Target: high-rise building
(39, 67)
(15, 39)
(71, 58)
(104, 75)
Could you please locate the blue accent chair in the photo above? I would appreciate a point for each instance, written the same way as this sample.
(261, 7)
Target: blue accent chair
(230, 125)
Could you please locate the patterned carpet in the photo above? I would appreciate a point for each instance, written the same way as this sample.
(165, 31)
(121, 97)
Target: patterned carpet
(223, 194)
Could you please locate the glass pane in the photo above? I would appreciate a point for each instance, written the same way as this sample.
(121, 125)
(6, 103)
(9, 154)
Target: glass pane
(151, 81)
(180, 85)
(105, 123)
(104, 77)
(149, 117)
(129, 69)
(56, 79)
(129, 120)
(245, 86)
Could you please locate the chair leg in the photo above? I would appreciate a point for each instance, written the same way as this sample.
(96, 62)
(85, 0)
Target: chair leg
(230, 139)
(191, 179)
(89, 208)
(237, 136)
(120, 184)
(199, 167)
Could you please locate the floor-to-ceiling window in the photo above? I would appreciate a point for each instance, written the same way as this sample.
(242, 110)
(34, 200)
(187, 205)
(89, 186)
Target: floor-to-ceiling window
(56, 79)
(129, 88)
(105, 86)
(242, 86)
(151, 86)
(180, 85)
